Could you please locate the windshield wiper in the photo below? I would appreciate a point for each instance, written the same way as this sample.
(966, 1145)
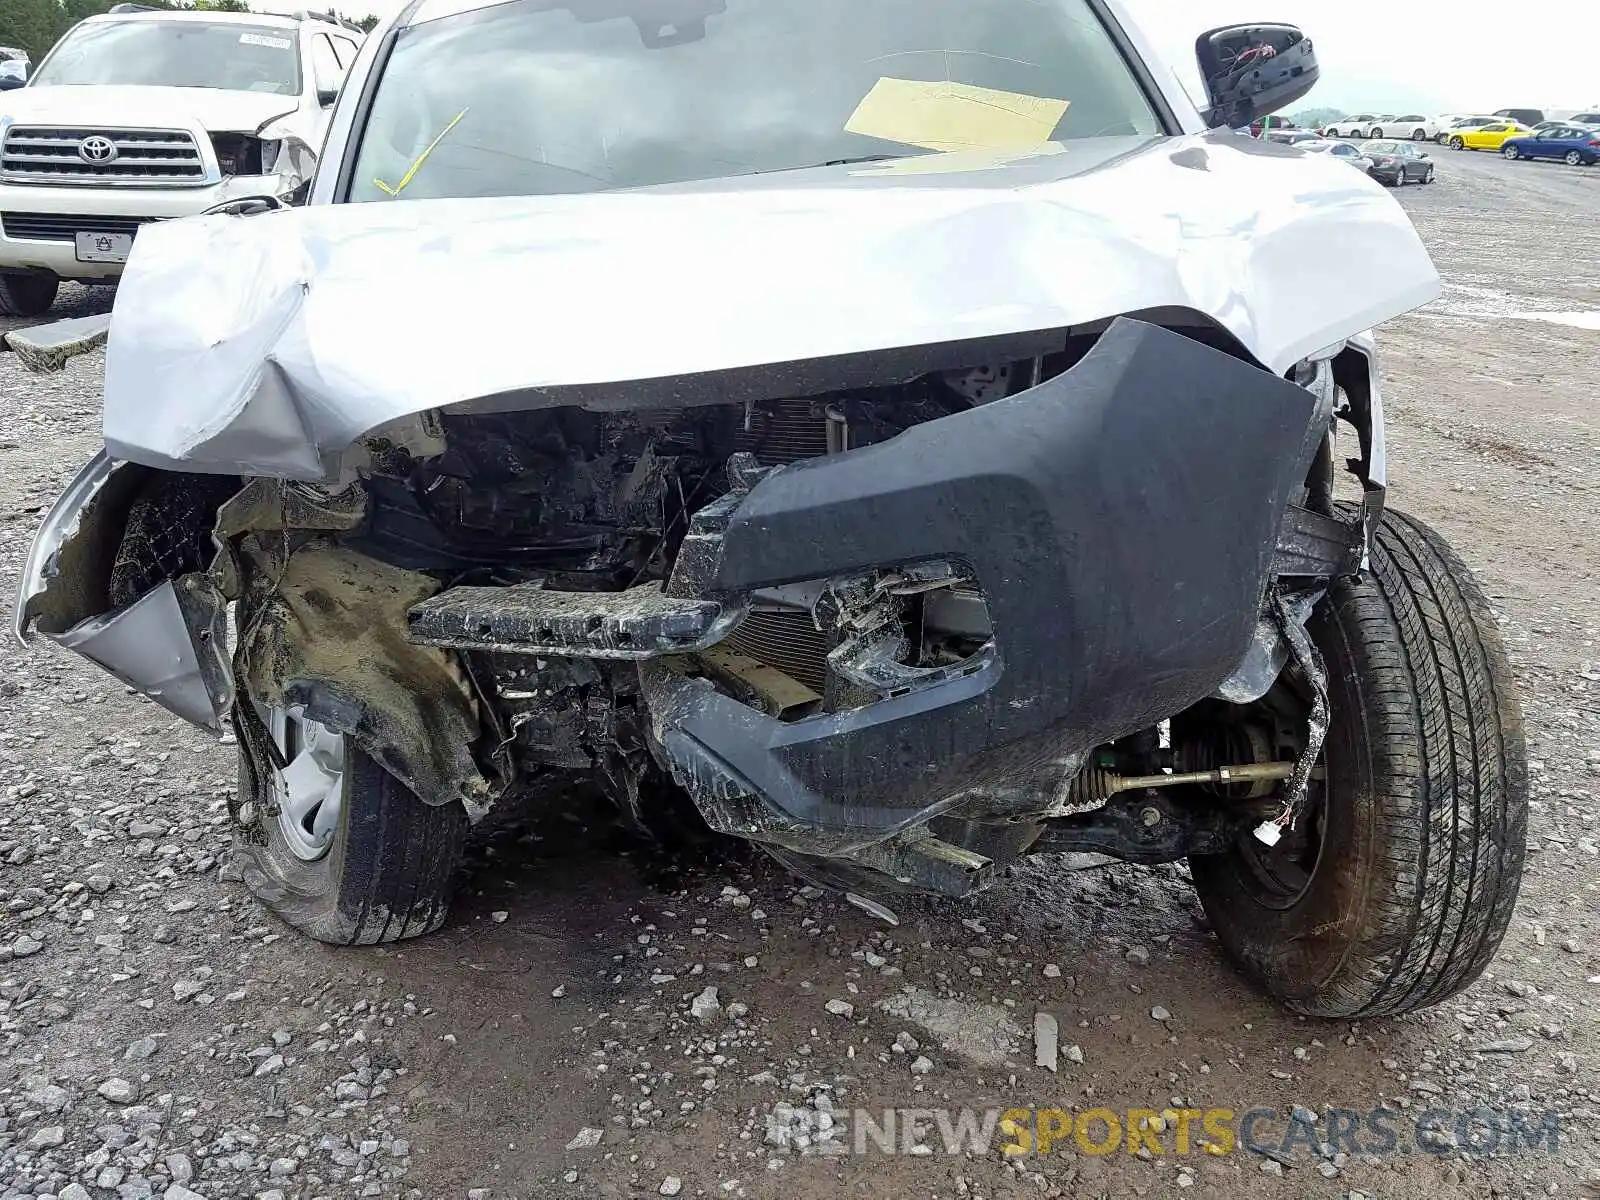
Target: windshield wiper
(862, 158)
(834, 162)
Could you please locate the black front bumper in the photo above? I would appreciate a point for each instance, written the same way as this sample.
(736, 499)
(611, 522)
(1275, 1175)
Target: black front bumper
(1121, 520)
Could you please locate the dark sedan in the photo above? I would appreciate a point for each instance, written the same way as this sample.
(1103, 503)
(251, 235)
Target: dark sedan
(1399, 163)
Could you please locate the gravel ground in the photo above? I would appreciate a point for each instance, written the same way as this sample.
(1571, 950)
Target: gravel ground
(601, 1018)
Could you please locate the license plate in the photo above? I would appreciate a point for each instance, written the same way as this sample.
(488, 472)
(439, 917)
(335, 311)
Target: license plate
(104, 247)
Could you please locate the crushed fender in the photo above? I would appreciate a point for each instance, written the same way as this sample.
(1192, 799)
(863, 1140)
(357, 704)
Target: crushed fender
(323, 626)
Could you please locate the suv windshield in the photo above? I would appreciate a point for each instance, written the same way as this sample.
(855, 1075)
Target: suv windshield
(541, 96)
(203, 54)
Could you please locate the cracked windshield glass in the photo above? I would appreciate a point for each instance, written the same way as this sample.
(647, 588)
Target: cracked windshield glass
(532, 98)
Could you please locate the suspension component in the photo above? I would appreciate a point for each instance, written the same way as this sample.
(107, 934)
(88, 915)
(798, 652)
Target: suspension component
(1096, 784)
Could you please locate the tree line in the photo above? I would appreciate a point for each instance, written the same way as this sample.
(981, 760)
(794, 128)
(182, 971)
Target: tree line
(34, 25)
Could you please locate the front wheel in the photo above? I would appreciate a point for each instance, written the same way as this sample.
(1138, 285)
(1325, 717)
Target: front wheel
(27, 293)
(1419, 135)
(1396, 884)
(1512, 153)
(1457, 144)
(332, 843)
(1428, 176)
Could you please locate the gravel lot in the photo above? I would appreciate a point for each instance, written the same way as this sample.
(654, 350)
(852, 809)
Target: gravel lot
(161, 1036)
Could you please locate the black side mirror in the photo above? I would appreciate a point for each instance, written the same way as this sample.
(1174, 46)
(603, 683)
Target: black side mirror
(1253, 70)
(326, 96)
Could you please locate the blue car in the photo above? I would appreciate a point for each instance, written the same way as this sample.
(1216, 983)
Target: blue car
(1570, 143)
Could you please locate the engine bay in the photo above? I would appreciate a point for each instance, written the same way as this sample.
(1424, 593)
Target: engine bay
(576, 501)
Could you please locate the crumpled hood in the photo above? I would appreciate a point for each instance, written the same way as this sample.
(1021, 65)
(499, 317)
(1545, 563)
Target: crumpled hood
(267, 345)
(214, 109)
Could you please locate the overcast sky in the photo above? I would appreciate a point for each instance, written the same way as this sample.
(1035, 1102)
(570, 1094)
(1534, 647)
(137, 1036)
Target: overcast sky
(1432, 55)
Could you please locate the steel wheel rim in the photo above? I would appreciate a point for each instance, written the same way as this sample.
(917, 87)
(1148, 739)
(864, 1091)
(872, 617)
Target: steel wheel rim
(308, 792)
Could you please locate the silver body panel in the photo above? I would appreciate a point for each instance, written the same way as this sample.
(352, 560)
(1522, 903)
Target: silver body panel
(269, 345)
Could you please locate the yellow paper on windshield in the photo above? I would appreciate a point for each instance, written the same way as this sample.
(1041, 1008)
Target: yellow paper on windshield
(955, 116)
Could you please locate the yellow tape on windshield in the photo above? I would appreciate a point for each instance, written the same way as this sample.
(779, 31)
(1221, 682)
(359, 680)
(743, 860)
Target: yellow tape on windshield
(955, 116)
(411, 172)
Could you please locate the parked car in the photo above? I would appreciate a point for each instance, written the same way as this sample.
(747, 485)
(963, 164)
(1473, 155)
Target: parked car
(1444, 134)
(136, 116)
(1523, 116)
(14, 67)
(1415, 127)
(1572, 144)
(901, 593)
(1399, 163)
(1486, 137)
(1345, 152)
(1293, 137)
(1586, 118)
(1266, 124)
(1352, 127)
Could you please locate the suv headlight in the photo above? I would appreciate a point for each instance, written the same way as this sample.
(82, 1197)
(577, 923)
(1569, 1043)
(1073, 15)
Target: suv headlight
(239, 153)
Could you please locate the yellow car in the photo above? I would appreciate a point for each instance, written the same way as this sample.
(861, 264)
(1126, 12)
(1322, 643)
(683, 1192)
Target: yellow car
(1486, 137)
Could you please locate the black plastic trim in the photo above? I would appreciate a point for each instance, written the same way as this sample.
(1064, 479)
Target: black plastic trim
(1121, 520)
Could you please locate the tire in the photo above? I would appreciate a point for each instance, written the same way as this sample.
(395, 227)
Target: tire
(27, 294)
(1457, 144)
(1428, 177)
(1511, 152)
(388, 872)
(1375, 133)
(1424, 810)
(1419, 135)
(1574, 159)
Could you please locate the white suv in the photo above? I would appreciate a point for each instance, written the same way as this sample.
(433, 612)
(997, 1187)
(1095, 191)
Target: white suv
(140, 115)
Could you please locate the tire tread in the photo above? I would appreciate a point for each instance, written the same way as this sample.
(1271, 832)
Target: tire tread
(1442, 755)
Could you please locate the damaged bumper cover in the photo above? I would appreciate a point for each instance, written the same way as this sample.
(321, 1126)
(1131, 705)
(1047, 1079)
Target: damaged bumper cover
(1122, 522)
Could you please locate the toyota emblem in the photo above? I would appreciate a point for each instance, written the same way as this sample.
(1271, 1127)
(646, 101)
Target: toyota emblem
(97, 150)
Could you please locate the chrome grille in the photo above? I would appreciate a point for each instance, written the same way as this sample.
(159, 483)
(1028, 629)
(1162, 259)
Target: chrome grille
(50, 154)
(64, 227)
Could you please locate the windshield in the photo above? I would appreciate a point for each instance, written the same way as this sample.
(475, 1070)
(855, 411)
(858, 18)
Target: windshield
(204, 54)
(538, 96)
(1383, 147)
